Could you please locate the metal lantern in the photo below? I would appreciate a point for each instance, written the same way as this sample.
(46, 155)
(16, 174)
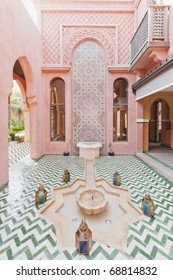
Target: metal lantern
(66, 176)
(83, 238)
(116, 178)
(148, 206)
(40, 195)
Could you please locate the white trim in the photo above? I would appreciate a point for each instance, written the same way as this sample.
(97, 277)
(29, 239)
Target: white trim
(159, 83)
(142, 120)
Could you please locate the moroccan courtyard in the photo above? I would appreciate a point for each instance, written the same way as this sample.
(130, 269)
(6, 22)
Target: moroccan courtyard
(25, 234)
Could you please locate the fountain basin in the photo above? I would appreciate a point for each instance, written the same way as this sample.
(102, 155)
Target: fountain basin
(89, 150)
(92, 201)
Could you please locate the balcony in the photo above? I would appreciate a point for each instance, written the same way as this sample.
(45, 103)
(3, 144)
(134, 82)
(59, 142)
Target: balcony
(150, 42)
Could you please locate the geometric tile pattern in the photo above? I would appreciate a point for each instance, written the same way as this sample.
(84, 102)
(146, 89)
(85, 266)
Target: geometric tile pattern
(53, 22)
(98, 252)
(88, 93)
(24, 235)
(150, 238)
(16, 152)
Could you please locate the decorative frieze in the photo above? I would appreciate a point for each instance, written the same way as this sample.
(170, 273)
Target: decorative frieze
(60, 29)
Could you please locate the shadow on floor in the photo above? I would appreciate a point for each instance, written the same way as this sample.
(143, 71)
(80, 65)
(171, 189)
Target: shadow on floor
(157, 147)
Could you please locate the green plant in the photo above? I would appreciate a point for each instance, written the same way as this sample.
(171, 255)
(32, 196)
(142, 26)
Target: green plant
(18, 127)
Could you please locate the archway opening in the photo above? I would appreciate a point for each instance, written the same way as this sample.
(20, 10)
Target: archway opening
(159, 125)
(16, 122)
(120, 109)
(18, 116)
(57, 110)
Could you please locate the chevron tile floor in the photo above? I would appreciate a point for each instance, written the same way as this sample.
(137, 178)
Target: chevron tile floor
(24, 235)
(17, 152)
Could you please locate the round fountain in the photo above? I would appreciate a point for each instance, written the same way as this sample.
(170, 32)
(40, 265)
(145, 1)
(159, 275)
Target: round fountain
(92, 201)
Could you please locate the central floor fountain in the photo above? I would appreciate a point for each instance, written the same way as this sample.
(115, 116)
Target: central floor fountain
(108, 209)
(92, 201)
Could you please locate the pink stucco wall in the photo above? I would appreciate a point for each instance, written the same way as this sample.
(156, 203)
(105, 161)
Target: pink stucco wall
(46, 52)
(21, 40)
(62, 32)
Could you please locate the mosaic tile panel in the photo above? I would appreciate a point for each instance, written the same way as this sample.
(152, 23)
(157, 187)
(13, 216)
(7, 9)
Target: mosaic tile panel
(88, 94)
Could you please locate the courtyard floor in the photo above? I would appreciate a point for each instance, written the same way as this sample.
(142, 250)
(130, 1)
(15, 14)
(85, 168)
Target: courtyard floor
(25, 235)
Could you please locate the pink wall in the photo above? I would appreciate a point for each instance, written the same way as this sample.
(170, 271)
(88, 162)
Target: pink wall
(141, 9)
(113, 31)
(21, 40)
(48, 53)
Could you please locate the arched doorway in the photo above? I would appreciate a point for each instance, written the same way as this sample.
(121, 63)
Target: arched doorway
(159, 124)
(19, 113)
(88, 94)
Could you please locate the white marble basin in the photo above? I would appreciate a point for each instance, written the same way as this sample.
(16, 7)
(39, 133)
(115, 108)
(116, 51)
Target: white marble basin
(89, 150)
(92, 201)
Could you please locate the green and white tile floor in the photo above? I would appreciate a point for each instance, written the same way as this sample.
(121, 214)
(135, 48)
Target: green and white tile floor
(24, 235)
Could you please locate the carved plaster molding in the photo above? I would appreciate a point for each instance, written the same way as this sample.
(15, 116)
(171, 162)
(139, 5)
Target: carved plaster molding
(73, 35)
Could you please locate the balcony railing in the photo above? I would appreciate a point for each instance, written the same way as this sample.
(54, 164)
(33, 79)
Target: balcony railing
(152, 29)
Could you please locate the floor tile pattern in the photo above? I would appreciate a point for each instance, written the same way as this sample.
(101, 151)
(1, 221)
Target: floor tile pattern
(23, 235)
(17, 152)
(150, 238)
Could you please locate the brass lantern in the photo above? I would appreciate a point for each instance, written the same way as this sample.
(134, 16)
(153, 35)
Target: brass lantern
(116, 178)
(66, 176)
(148, 206)
(40, 195)
(83, 238)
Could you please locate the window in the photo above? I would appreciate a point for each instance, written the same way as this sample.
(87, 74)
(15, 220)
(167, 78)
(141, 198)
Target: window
(57, 112)
(120, 107)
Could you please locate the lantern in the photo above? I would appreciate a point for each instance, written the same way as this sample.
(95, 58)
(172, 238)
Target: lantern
(40, 195)
(83, 238)
(66, 176)
(116, 178)
(148, 206)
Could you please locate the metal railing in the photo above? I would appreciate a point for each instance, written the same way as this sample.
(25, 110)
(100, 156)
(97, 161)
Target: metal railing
(153, 28)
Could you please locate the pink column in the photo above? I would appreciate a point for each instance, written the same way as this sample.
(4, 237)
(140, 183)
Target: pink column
(35, 141)
(4, 139)
(145, 135)
(139, 127)
(27, 125)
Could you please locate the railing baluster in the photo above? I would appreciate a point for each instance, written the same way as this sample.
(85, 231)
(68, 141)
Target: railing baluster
(153, 28)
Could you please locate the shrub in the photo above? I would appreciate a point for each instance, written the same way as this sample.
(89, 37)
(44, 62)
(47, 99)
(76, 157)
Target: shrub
(18, 127)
